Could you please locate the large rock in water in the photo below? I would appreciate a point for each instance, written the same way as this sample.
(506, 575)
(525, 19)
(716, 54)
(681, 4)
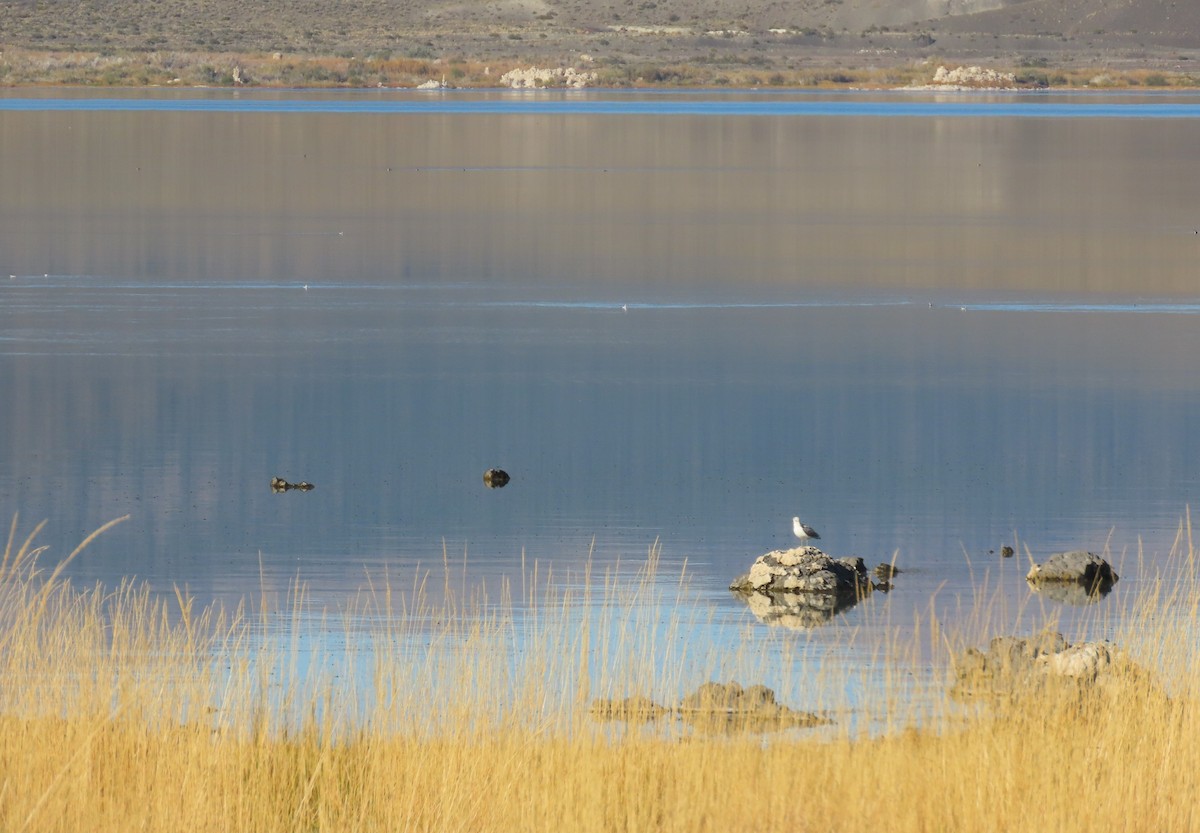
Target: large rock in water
(802, 587)
(804, 570)
(1085, 573)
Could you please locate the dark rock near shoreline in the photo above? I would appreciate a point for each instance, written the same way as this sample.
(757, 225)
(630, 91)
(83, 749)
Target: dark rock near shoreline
(1006, 552)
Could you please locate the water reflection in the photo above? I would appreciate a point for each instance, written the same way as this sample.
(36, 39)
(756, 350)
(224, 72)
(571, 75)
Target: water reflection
(919, 331)
(1045, 205)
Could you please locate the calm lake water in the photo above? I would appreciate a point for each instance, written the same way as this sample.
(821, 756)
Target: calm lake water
(930, 326)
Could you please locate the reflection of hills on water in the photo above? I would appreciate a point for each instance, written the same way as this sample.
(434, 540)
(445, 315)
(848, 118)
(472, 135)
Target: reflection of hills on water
(954, 204)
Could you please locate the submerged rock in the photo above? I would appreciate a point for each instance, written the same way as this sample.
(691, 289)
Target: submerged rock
(729, 706)
(1089, 574)
(714, 706)
(640, 709)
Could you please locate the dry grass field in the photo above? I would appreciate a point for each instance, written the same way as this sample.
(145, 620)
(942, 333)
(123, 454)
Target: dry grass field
(120, 711)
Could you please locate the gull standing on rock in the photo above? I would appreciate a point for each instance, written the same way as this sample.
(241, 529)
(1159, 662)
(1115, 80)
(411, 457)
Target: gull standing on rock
(803, 531)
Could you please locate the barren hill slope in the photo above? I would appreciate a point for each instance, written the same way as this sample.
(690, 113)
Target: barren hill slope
(1156, 21)
(744, 31)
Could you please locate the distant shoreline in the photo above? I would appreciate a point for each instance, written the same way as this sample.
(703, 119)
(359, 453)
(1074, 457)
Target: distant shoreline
(24, 68)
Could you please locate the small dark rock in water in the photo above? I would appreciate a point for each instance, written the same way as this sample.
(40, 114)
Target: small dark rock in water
(886, 571)
(278, 484)
(495, 478)
(1006, 552)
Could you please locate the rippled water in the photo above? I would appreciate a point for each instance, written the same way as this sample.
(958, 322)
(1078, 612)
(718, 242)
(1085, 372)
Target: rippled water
(928, 335)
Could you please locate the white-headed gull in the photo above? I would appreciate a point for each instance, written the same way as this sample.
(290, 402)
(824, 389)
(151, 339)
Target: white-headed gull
(803, 531)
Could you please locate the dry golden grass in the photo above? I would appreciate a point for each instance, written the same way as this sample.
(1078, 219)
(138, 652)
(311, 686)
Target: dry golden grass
(122, 711)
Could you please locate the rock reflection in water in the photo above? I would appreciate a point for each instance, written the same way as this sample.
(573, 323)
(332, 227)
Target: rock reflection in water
(1071, 593)
(798, 611)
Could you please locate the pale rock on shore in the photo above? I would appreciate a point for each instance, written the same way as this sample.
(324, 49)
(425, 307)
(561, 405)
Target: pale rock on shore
(968, 78)
(537, 77)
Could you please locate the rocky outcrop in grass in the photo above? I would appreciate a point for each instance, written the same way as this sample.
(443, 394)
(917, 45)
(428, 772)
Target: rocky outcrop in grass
(1014, 667)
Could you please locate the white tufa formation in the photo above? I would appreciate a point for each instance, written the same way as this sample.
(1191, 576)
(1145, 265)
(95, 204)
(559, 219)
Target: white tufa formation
(537, 77)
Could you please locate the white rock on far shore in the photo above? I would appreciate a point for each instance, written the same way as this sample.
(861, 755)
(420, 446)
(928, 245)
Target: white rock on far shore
(968, 78)
(537, 77)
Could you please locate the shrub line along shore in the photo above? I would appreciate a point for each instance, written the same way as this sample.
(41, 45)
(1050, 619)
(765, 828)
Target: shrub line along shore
(22, 67)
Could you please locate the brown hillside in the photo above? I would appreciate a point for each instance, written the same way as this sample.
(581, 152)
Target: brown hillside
(1162, 22)
(760, 35)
